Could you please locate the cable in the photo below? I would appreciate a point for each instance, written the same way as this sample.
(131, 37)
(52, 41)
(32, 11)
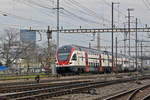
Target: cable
(74, 7)
(114, 8)
(19, 17)
(81, 18)
(37, 4)
(88, 10)
(78, 8)
(30, 5)
(145, 3)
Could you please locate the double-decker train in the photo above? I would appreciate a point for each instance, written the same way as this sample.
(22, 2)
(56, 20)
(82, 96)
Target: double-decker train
(78, 59)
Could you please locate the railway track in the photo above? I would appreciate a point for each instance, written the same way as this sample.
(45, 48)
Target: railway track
(27, 87)
(141, 93)
(19, 88)
(65, 79)
(49, 92)
(146, 97)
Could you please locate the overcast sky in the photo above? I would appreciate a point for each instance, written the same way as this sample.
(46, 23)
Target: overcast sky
(75, 13)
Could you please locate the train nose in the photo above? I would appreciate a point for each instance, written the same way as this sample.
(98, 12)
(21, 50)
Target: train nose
(61, 63)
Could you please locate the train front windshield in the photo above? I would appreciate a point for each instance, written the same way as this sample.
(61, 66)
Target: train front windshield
(64, 53)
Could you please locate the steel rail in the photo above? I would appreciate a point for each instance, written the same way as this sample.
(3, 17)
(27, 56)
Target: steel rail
(130, 94)
(70, 91)
(79, 89)
(63, 89)
(146, 97)
(58, 80)
(137, 91)
(10, 89)
(51, 89)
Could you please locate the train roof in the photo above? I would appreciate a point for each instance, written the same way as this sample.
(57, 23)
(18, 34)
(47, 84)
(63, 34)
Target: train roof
(91, 50)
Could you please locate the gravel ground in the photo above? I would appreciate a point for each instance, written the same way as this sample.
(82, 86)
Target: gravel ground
(103, 92)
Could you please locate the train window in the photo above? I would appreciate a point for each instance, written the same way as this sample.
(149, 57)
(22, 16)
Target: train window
(82, 58)
(74, 57)
(64, 53)
(65, 49)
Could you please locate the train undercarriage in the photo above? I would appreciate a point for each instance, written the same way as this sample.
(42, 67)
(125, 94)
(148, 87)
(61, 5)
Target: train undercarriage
(82, 69)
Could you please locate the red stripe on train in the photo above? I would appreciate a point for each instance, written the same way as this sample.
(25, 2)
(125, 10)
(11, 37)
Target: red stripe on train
(115, 67)
(100, 61)
(86, 61)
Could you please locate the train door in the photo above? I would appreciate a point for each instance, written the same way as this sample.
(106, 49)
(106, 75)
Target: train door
(86, 61)
(100, 63)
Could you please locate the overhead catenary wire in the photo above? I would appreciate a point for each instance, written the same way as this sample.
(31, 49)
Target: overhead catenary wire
(82, 13)
(35, 3)
(42, 11)
(77, 8)
(42, 6)
(88, 10)
(76, 16)
(81, 18)
(119, 11)
(20, 17)
(145, 3)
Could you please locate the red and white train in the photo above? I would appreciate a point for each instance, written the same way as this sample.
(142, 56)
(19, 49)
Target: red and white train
(78, 59)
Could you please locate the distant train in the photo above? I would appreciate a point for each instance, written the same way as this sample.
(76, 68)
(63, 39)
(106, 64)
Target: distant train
(78, 59)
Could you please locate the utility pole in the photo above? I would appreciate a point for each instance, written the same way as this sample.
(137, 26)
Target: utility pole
(89, 45)
(141, 57)
(112, 35)
(49, 36)
(98, 41)
(129, 16)
(136, 51)
(58, 10)
(116, 51)
(125, 38)
(58, 24)
(136, 44)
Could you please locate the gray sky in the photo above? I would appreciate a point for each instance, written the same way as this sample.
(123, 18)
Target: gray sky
(86, 13)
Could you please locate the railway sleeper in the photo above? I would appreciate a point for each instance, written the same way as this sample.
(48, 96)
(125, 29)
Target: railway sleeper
(76, 90)
(146, 97)
(30, 87)
(136, 91)
(93, 86)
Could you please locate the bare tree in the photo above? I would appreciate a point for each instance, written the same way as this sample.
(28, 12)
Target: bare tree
(11, 48)
(43, 55)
